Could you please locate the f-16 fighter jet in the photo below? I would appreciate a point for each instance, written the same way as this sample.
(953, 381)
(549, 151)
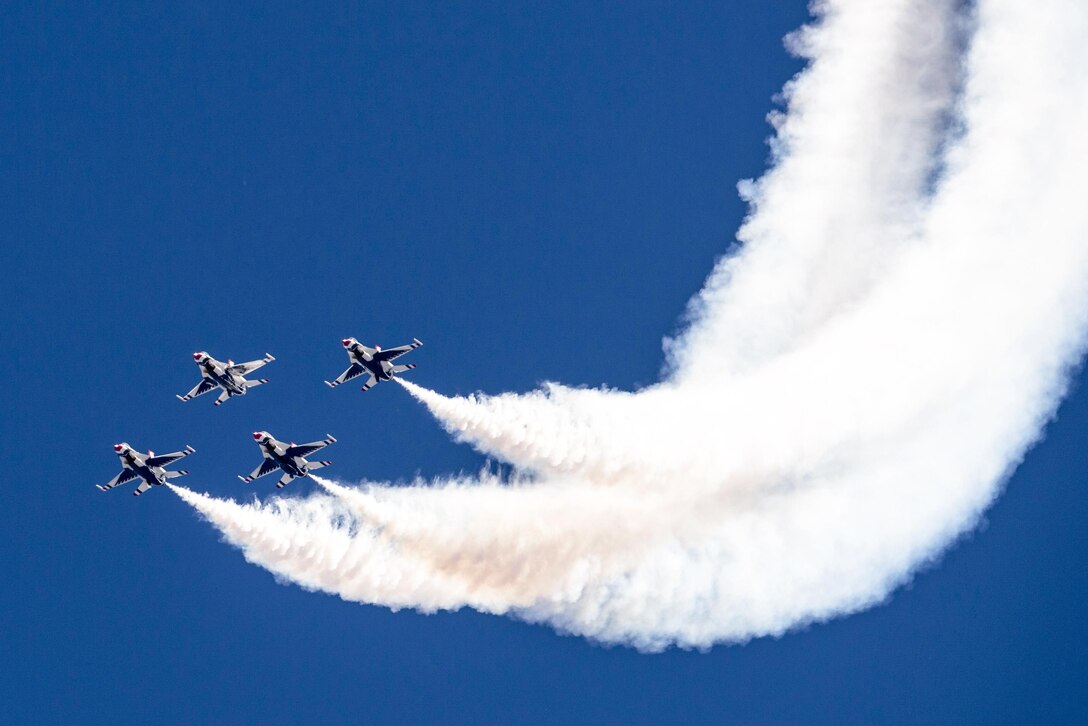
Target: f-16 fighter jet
(148, 467)
(375, 361)
(290, 458)
(229, 377)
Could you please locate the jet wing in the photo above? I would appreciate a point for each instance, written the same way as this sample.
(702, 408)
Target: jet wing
(124, 477)
(307, 449)
(393, 353)
(353, 371)
(267, 467)
(246, 368)
(169, 458)
(205, 385)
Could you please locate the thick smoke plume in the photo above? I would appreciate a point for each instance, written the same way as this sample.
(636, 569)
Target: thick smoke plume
(852, 387)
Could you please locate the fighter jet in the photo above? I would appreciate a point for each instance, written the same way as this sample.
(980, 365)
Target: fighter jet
(230, 377)
(291, 458)
(148, 467)
(375, 361)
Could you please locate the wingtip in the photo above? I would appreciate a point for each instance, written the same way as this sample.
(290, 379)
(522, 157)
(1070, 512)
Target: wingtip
(330, 438)
(183, 472)
(263, 380)
(101, 488)
(269, 357)
(245, 479)
(330, 384)
(181, 398)
(417, 341)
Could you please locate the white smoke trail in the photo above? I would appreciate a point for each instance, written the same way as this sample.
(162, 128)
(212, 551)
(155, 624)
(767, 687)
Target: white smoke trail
(854, 386)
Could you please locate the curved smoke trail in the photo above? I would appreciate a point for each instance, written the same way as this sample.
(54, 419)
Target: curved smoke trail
(854, 384)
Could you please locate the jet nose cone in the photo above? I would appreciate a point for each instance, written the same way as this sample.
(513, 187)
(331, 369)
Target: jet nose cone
(118, 447)
(345, 342)
(197, 356)
(257, 435)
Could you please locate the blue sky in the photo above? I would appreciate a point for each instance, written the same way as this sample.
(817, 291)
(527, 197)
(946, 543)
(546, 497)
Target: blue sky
(535, 193)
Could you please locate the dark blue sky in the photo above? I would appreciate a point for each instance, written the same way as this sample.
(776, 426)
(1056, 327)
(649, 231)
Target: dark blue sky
(541, 188)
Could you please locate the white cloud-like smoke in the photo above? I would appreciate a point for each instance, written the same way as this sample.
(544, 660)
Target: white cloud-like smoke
(854, 385)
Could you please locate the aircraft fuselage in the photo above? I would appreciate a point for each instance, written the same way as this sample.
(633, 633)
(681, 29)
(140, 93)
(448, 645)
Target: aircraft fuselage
(150, 474)
(230, 382)
(382, 370)
(290, 464)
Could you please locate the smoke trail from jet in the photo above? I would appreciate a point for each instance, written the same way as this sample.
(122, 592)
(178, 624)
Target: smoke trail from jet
(852, 387)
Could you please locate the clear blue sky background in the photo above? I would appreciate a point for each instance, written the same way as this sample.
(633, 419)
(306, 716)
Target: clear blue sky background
(535, 192)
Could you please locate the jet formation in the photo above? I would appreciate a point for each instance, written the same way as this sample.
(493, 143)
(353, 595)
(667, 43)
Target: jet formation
(230, 379)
